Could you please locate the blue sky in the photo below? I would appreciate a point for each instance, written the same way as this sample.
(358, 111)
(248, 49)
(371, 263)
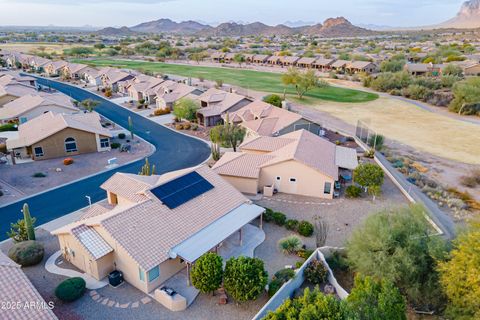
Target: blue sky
(125, 12)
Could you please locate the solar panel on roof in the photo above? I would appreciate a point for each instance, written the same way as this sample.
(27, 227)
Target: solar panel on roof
(181, 190)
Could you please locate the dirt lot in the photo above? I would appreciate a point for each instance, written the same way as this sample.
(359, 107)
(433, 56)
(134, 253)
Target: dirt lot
(29, 47)
(18, 180)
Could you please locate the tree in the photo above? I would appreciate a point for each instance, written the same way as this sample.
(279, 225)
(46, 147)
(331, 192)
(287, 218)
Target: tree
(146, 169)
(28, 222)
(376, 300)
(186, 109)
(89, 104)
(465, 92)
(460, 275)
(303, 81)
(229, 134)
(245, 278)
(207, 272)
(273, 99)
(239, 58)
(369, 175)
(397, 246)
(312, 305)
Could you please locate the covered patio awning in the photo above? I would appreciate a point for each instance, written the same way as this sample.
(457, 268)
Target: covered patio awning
(194, 247)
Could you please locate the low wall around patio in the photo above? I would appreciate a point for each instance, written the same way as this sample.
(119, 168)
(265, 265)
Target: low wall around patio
(288, 288)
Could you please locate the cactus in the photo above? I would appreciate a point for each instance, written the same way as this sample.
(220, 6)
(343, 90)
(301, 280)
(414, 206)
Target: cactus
(146, 169)
(130, 126)
(215, 151)
(28, 222)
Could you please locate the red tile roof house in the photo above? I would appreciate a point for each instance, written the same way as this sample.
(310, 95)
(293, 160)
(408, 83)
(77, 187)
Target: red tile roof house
(31, 106)
(53, 69)
(362, 66)
(91, 76)
(142, 87)
(263, 119)
(215, 103)
(299, 163)
(306, 62)
(169, 92)
(288, 61)
(111, 78)
(15, 288)
(73, 70)
(58, 135)
(156, 226)
(323, 64)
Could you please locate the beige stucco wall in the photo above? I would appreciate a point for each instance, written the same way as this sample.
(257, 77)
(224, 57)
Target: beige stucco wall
(244, 185)
(309, 182)
(54, 146)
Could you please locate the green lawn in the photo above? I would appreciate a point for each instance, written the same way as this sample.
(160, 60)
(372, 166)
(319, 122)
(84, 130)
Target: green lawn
(254, 80)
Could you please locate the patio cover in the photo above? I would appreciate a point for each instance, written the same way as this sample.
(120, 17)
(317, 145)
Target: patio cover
(346, 158)
(207, 238)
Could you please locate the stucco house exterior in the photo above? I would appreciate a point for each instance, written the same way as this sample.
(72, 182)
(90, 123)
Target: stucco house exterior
(298, 163)
(31, 106)
(12, 87)
(54, 68)
(215, 103)
(155, 226)
(59, 135)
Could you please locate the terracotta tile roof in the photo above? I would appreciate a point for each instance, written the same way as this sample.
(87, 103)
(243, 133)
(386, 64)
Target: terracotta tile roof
(29, 102)
(130, 186)
(218, 101)
(265, 144)
(95, 210)
(340, 63)
(16, 287)
(240, 164)
(49, 123)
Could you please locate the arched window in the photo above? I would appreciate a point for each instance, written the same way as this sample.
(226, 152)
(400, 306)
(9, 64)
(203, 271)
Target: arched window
(70, 145)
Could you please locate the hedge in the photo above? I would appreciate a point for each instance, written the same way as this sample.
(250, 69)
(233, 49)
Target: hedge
(70, 289)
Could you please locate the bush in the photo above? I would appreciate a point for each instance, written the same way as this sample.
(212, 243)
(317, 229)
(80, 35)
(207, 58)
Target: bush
(305, 253)
(279, 279)
(8, 127)
(291, 224)
(194, 127)
(245, 278)
(115, 145)
(305, 228)
(67, 161)
(179, 126)
(274, 286)
(279, 218)
(121, 136)
(268, 215)
(273, 99)
(290, 244)
(27, 253)
(70, 289)
(316, 272)
(207, 272)
(353, 191)
(161, 112)
(186, 126)
(39, 175)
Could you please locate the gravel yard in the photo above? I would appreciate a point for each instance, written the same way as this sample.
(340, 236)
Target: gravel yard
(17, 180)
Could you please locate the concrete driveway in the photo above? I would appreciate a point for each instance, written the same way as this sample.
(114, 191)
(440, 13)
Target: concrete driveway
(173, 151)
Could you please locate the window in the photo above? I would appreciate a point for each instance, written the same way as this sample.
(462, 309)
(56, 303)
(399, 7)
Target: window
(141, 275)
(327, 188)
(153, 274)
(38, 151)
(293, 179)
(104, 143)
(278, 178)
(70, 145)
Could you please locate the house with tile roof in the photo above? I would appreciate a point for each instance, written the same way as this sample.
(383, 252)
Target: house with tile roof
(216, 103)
(169, 92)
(53, 68)
(58, 135)
(299, 162)
(31, 106)
(262, 119)
(155, 226)
(73, 71)
(15, 287)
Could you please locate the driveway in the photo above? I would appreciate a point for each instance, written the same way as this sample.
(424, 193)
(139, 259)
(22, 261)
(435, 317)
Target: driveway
(173, 151)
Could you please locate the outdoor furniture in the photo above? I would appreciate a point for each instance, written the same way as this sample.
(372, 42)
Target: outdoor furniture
(170, 299)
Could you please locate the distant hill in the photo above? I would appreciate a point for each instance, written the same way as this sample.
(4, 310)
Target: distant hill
(233, 29)
(336, 27)
(110, 31)
(467, 18)
(169, 26)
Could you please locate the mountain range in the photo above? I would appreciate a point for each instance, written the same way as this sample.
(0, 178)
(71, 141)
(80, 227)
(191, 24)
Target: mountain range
(468, 17)
(333, 27)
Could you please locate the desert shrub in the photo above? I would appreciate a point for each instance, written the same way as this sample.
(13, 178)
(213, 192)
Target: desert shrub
(298, 264)
(161, 112)
(338, 261)
(291, 224)
(316, 272)
(27, 253)
(67, 161)
(417, 92)
(268, 215)
(305, 228)
(186, 126)
(115, 145)
(273, 99)
(279, 279)
(304, 253)
(376, 141)
(274, 286)
(70, 289)
(179, 126)
(353, 191)
(121, 136)
(8, 127)
(290, 244)
(194, 126)
(468, 181)
(39, 175)
(279, 218)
